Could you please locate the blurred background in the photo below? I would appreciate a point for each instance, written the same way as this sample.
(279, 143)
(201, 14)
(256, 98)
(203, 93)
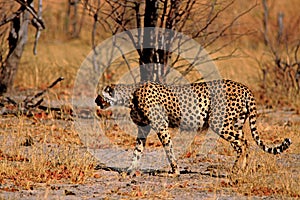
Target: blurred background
(253, 42)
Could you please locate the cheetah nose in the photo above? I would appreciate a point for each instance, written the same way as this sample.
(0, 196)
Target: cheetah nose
(101, 102)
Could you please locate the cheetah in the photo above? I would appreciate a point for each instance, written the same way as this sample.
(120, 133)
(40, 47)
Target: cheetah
(222, 105)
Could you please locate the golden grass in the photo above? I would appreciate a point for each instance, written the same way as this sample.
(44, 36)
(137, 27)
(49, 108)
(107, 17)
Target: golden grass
(269, 175)
(265, 174)
(49, 151)
(53, 154)
(62, 58)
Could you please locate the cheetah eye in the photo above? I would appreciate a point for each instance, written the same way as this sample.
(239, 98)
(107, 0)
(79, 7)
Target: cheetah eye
(109, 90)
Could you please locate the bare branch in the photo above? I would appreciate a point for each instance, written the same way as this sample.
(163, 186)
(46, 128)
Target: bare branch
(38, 28)
(212, 19)
(117, 16)
(127, 63)
(266, 22)
(221, 33)
(32, 12)
(280, 27)
(10, 18)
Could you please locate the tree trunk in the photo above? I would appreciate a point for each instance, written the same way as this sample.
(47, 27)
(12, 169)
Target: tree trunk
(17, 39)
(150, 61)
(146, 59)
(72, 16)
(154, 60)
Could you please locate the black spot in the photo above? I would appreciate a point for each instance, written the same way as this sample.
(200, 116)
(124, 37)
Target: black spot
(270, 150)
(274, 151)
(236, 136)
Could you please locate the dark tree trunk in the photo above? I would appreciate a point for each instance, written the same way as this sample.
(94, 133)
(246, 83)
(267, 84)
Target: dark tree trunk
(146, 59)
(17, 39)
(152, 59)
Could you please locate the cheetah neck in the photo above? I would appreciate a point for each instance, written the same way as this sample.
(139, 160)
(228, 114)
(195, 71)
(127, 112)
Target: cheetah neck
(124, 93)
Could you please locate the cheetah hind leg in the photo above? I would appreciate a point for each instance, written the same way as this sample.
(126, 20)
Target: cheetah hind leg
(240, 164)
(143, 132)
(236, 139)
(241, 147)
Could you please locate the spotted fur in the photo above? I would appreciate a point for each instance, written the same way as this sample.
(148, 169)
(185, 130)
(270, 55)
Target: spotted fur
(222, 105)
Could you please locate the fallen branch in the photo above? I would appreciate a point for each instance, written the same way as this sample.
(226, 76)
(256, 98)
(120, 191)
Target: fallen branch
(27, 101)
(31, 105)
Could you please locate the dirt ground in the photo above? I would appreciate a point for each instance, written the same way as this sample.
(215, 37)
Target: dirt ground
(203, 174)
(193, 183)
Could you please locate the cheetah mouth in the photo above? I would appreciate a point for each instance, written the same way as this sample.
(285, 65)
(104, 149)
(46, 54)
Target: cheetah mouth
(102, 102)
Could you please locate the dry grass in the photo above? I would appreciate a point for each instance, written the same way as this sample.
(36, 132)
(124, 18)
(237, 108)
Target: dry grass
(54, 60)
(34, 152)
(266, 174)
(49, 151)
(270, 175)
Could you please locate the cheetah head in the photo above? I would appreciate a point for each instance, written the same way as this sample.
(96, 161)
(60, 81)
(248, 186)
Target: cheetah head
(106, 99)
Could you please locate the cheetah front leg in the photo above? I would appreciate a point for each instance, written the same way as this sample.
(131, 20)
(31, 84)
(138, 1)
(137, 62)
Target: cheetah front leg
(143, 132)
(166, 141)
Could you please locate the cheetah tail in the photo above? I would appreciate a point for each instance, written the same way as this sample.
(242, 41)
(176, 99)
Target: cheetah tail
(273, 150)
